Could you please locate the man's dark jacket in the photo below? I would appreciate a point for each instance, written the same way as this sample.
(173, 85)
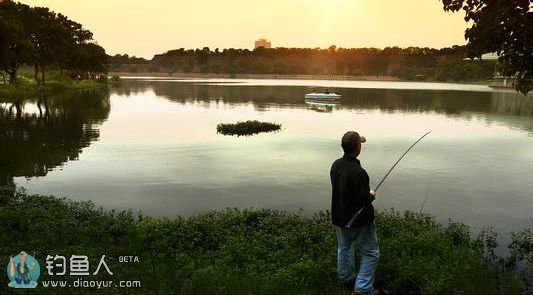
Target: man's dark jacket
(350, 191)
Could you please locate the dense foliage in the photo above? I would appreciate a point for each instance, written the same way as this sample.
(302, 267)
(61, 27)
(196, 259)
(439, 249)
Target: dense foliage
(505, 27)
(251, 251)
(412, 63)
(126, 59)
(247, 128)
(40, 38)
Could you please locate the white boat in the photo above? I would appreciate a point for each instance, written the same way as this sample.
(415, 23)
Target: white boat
(321, 95)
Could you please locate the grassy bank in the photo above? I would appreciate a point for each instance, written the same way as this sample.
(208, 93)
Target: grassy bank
(27, 86)
(252, 251)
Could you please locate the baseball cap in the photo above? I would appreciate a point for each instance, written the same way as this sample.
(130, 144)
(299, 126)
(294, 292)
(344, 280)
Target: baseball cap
(351, 137)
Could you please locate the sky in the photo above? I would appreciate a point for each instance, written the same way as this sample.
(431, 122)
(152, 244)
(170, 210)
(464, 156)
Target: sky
(145, 28)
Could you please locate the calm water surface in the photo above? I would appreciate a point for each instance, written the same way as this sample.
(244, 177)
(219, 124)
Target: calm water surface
(152, 145)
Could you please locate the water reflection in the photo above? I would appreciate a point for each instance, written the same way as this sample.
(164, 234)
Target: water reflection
(452, 103)
(322, 105)
(43, 132)
(476, 164)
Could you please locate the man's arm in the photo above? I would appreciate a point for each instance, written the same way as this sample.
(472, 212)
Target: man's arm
(366, 195)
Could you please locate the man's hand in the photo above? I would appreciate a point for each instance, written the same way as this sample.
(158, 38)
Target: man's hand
(372, 195)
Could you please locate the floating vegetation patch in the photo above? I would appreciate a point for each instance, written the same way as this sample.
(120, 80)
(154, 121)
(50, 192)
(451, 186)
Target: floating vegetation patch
(247, 128)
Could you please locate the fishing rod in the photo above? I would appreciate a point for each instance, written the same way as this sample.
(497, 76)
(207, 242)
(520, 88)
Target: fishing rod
(358, 213)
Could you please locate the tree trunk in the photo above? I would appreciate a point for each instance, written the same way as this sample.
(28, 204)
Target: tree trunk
(39, 102)
(46, 109)
(36, 73)
(12, 76)
(42, 74)
(18, 108)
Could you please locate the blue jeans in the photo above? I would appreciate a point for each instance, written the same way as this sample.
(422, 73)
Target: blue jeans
(366, 239)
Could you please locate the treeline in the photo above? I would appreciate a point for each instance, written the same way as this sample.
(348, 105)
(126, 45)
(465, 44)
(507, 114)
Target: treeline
(412, 63)
(44, 40)
(126, 59)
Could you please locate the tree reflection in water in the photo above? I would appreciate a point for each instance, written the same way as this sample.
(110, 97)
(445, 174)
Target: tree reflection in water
(43, 132)
(506, 107)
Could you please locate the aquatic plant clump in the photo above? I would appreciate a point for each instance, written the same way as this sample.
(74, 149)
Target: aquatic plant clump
(247, 128)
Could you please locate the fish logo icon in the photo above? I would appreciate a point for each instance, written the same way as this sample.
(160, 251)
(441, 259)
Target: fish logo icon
(23, 271)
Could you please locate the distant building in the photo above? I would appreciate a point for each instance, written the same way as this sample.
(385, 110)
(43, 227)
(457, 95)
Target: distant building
(262, 43)
(486, 56)
(498, 80)
(490, 56)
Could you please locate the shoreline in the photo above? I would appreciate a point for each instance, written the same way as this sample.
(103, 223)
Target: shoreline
(291, 77)
(7, 91)
(256, 76)
(283, 77)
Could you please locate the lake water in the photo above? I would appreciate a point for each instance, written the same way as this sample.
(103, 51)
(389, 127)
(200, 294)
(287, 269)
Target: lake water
(151, 145)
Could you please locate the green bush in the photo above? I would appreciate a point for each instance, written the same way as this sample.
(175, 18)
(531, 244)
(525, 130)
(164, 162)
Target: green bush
(250, 251)
(522, 246)
(247, 128)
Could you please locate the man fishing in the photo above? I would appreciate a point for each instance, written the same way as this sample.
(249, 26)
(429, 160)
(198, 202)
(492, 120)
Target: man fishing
(350, 193)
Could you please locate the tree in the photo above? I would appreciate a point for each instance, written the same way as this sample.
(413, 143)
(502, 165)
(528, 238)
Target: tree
(49, 38)
(39, 37)
(15, 48)
(332, 49)
(88, 61)
(74, 35)
(505, 27)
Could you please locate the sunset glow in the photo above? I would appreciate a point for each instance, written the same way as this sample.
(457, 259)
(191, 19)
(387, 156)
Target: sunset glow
(145, 28)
